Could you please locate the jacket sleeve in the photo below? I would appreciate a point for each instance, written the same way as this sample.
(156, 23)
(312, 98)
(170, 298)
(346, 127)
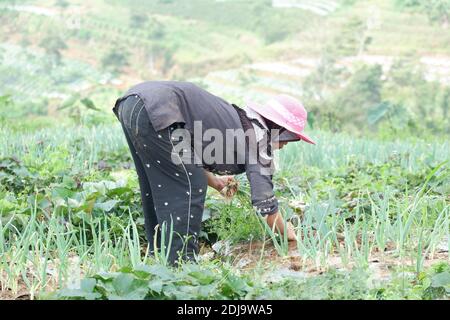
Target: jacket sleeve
(259, 173)
(261, 186)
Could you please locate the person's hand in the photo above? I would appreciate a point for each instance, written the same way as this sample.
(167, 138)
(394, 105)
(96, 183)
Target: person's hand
(292, 235)
(276, 223)
(226, 185)
(222, 181)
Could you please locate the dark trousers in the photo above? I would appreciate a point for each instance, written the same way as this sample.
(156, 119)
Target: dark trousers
(171, 193)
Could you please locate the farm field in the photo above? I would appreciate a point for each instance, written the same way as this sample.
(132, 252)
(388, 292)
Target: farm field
(373, 212)
(370, 202)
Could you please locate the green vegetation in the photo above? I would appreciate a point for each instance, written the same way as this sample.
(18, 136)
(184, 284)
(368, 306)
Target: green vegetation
(217, 282)
(370, 201)
(390, 198)
(438, 11)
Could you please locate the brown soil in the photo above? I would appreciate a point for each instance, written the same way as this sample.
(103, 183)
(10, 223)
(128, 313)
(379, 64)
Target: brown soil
(22, 293)
(250, 255)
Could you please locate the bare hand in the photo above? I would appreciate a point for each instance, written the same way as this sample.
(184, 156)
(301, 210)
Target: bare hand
(222, 182)
(275, 221)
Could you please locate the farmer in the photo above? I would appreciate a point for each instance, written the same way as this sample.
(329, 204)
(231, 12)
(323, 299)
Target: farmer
(183, 139)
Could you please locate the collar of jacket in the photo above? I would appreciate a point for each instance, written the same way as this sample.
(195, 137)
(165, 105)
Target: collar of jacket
(261, 133)
(259, 125)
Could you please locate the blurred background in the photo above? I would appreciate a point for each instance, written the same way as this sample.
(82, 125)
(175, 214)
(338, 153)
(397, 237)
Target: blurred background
(366, 67)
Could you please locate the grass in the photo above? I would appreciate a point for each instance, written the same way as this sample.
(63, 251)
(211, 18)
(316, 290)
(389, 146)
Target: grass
(44, 256)
(96, 227)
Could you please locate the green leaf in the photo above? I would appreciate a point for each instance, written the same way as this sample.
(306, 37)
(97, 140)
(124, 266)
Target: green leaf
(377, 113)
(234, 286)
(88, 103)
(69, 102)
(142, 271)
(78, 294)
(118, 191)
(106, 206)
(5, 100)
(6, 206)
(206, 291)
(62, 193)
(88, 284)
(138, 291)
(203, 278)
(104, 276)
(161, 272)
(156, 285)
(441, 280)
(69, 182)
(123, 283)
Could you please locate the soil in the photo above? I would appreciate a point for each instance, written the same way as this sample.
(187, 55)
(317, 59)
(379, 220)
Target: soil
(22, 293)
(250, 255)
(247, 256)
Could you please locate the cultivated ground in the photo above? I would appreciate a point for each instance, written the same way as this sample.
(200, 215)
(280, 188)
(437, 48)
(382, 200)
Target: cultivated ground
(371, 208)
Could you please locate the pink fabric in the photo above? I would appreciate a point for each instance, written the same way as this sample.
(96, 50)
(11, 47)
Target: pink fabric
(286, 111)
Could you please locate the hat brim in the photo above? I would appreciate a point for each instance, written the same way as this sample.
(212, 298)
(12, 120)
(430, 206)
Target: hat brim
(305, 138)
(259, 108)
(288, 136)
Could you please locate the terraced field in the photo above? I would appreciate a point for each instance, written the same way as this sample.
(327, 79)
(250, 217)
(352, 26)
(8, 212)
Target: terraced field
(254, 72)
(321, 7)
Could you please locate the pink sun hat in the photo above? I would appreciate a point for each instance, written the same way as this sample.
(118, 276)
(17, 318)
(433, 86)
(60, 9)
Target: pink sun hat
(285, 111)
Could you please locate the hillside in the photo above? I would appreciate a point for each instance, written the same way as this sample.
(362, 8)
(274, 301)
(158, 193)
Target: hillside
(55, 52)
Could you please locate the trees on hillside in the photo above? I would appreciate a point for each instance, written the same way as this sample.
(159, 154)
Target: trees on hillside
(353, 38)
(63, 4)
(438, 11)
(138, 20)
(362, 92)
(444, 102)
(115, 60)
(53, 45)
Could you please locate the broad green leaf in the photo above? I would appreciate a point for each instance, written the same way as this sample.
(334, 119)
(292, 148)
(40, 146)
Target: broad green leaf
(161, 272)
(69, 182)
(156, 285)
(62, 192)
(123, 283)
(106, 206)
(206, 291)
(78, 293)
(88, 284)
(441, 280)
(142, 271)
(203, 278)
